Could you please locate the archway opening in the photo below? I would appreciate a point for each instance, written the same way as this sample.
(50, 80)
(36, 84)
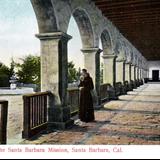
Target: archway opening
(82, 38)
(17, 41)
(101, 62)
(75, 56)
(106, 46)
(17, 34)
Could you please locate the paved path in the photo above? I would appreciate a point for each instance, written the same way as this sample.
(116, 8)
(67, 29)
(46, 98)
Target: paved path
(133, 119)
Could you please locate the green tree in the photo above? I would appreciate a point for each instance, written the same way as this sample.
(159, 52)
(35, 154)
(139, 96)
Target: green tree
(4, 75)
(29, 70)
(73, 74)
(12, 67)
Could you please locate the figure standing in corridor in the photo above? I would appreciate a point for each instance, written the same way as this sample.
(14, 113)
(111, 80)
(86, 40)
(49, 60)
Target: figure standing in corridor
(86, 111)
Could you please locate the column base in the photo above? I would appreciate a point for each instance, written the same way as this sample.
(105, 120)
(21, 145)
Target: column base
(146, 80)
(59, 118)
(123, 90)
(98, 105)
(120, 89)
(137, 83)
(133, 84)
(128, 86)
(141, 82)
(96, 100)
(60, 125)
(104, 95)
(112, 93)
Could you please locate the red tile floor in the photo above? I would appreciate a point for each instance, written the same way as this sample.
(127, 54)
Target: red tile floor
(133, 119)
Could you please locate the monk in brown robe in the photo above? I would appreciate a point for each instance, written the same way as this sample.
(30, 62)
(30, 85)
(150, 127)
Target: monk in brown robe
(86, 111)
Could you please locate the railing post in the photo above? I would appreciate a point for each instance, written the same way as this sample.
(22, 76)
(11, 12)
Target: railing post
(3, 122)
(26, 114)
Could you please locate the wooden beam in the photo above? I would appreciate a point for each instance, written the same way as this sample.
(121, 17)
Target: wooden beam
(133, 9)
(130, 6)
(129, 14)
(135, 18)
(118, 3)
(140, 21)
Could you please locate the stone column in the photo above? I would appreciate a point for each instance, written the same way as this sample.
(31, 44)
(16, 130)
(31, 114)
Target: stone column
(120, 75)
(128, 75)
(128, 72)
(136, 73)
(145, 75)
(109, 75)
(133, 72)
(120, 71)
(140, 73)
(92, 64)
(54, 72)
(133, 76)
(109, 69)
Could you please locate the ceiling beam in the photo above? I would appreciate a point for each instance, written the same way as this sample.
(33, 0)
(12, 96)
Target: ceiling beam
(134, 21)
(140, 17)
(128, 12)
(144, 13)
(125, 7)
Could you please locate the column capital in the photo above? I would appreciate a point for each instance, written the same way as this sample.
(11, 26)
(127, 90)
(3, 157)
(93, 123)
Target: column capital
(133, 65)
(109, 56)
(54, 35)
(128, 62)
(121, 60)
(91, 50)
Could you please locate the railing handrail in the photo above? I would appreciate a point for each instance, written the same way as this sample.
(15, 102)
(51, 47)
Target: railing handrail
(105, 84)
(37, 94)
(73, 89)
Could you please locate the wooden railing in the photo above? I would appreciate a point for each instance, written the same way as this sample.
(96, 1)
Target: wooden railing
(35, 114)
(73, 100)
(3, 121)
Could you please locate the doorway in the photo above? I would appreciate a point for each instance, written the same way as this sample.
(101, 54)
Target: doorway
(155, 75)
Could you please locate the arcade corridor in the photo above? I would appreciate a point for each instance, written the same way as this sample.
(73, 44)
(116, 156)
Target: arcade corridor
(124, 36)
(133, 119)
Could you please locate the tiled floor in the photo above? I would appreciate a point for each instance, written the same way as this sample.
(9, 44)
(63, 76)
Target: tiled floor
(133, 119)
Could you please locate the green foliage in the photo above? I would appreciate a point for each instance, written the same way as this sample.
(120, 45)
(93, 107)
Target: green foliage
(4, 75)
(12, 67)
(29, 70)
(73, 74)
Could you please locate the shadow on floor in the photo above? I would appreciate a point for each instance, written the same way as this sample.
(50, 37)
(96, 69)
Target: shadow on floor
(140, 101)
(132, 111)
(146, 137)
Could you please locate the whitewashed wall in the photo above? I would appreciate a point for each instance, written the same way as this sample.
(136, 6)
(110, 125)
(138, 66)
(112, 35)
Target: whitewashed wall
(153, 65)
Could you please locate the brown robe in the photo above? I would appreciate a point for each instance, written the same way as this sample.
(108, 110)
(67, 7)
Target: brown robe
(86, 111)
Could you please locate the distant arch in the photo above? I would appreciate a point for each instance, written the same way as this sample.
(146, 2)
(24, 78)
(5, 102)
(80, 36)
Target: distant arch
(85, 27)
(106, 42)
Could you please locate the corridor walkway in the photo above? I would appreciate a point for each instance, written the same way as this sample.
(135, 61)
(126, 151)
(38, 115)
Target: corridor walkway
(133, 119)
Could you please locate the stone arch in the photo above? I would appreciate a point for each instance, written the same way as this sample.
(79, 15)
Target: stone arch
(106, 42)
(46, 17)
(120, 51)
(85, 27)
(129, 54)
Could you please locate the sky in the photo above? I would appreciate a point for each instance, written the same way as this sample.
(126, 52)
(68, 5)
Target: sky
(18, 26)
